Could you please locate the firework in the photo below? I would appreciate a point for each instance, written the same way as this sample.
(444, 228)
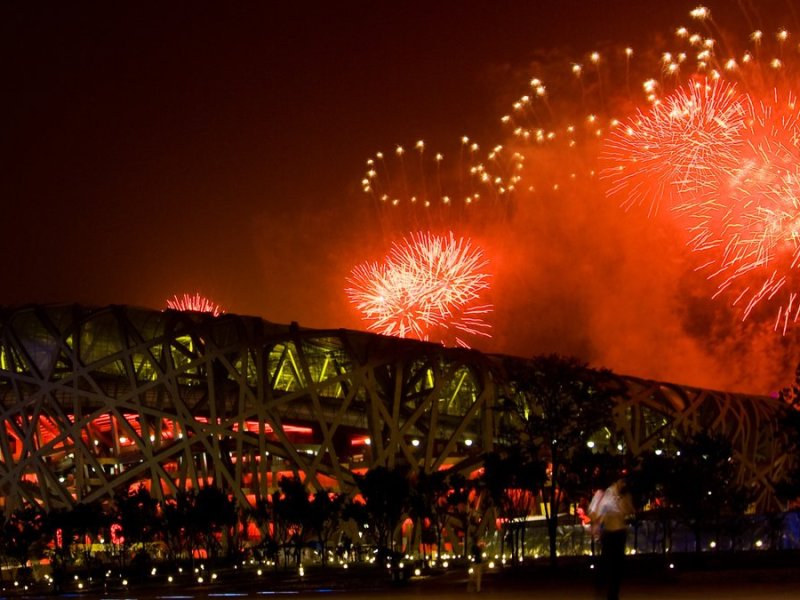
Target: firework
(757, 220)
(428, 287)
(421, 189)
(703, 135)
(679, 150)
(732, 178)
(565, 114)
(196, 303)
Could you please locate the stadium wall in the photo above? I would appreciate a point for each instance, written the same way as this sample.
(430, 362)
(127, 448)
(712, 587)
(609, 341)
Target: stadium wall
(97, 400)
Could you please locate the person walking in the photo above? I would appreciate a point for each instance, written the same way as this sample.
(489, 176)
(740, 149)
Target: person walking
(610, 519)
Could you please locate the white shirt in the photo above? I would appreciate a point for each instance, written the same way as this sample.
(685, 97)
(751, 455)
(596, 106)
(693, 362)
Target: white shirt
(613, 509)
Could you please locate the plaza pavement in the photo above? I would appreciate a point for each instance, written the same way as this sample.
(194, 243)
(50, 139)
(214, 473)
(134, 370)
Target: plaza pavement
(529, 584)
(775, 585)
(643, 581)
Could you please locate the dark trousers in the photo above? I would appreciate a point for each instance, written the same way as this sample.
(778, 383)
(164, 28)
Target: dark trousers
(613, 556)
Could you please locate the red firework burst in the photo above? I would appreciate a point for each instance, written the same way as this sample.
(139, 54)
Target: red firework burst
(196, 303)
(679, 150)
(720, 153)
(757, 223)
(428, 287)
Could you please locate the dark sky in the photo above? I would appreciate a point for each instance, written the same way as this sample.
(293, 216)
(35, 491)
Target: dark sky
(153, 148)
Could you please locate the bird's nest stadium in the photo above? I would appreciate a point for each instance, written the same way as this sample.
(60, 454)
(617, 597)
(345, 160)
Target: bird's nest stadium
(97, 400)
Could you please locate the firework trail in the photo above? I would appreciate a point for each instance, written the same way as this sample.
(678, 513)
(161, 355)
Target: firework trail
(428, 287)
(195, 303)
(418, 189)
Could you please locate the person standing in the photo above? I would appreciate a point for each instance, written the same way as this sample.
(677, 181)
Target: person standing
(610, 517)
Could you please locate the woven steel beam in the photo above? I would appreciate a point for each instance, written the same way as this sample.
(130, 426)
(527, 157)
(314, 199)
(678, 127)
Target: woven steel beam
(94, 401)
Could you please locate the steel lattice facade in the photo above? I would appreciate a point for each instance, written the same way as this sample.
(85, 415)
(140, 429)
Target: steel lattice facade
(96, 400)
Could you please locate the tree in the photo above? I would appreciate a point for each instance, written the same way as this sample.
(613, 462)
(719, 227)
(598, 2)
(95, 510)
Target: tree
(215, 514)
(458, 507)
(356, 511)
(291, 512)
(262, 515)
(137, 515)
(557, 405)
(86, 521)
(58, 530)
(324, 516)
(22, 534)
(513, 484)
(648, 483)
(180, 529)
(386, 495)
(703, 487)
(427, 507)
(787, 420)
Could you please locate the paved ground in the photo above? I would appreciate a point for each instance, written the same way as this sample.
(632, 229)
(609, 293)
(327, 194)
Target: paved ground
(742, 585)
(746, 580)
(733, 586)
(773, 584)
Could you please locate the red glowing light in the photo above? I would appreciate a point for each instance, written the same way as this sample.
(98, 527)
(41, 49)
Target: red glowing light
(196, 303)
(116, 534)
(427, 287)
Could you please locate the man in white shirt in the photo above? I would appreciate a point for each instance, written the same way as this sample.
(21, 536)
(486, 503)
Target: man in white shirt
(610, 516)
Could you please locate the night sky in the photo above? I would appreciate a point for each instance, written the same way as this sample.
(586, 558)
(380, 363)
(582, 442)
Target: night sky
(152, 150)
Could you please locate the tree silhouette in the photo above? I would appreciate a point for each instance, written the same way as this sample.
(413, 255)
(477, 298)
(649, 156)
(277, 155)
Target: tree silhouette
(427, 506)
(513, 484)
(87, 522)
(386, 495)
(180, 528)
(215, 515)
(137, 514)
(787, 488)
(556, 405)
(291, 511)
(459, 510)
(262, 515)
(702, 485)
(324, 517)
(649, 482)
(22, 535)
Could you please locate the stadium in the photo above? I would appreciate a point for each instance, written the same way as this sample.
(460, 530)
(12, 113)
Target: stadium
(96, 401)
